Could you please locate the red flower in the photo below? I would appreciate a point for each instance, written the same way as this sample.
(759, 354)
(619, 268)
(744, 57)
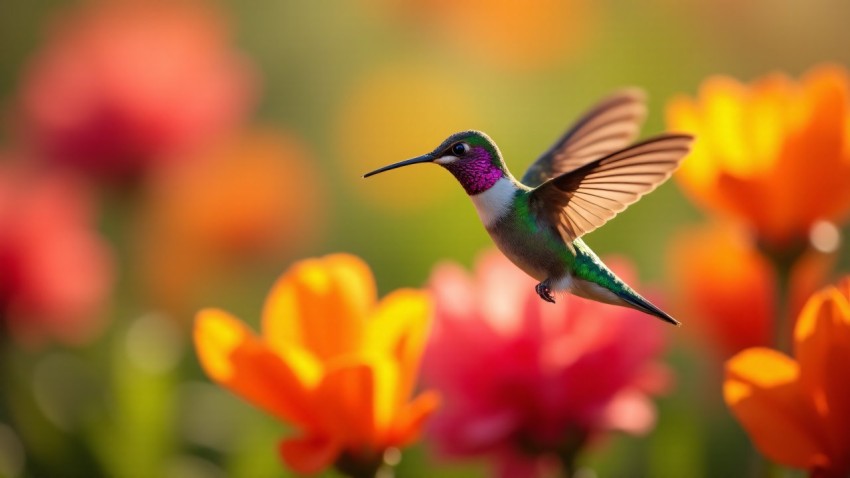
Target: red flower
(121, 84)
(55, 272)
(524, 381)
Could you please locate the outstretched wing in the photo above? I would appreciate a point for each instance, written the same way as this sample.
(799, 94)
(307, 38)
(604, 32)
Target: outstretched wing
(581, 200)
(609, 126)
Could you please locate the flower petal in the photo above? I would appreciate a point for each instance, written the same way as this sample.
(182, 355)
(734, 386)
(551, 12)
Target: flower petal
(723, 106)
(698, 173)
(773, 153)
(232, 356)
(399, 328)
(822, 347)
(761, 389)
(320, 304)
(356, 400)
(309, 454)
(409, 422)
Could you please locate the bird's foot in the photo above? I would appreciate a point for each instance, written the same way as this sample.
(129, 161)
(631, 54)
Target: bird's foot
(544, 291)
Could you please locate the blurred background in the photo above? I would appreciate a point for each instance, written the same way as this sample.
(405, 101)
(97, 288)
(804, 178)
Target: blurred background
(160, 157)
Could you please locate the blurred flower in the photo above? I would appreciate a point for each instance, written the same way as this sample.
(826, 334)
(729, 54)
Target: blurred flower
(525, 381)
(249, 197)
(505, 33)
(119, 86)
(55, 271)
(797, 410)
(729, 290)
(392, 116)
(774, 154)
(725, 287)
(338, 366)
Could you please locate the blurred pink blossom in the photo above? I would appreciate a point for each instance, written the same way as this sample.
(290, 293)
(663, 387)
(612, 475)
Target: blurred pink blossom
(529, 383)
(55, 271)
(120, 85)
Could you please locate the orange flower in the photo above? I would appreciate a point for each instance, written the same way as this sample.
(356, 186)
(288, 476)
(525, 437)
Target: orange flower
(726, 286)
(774, 154)
(333, 363)
(250, 197)
(504, 33)
(797, 411)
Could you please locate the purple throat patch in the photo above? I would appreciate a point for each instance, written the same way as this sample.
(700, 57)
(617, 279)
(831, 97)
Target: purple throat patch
(476, 172)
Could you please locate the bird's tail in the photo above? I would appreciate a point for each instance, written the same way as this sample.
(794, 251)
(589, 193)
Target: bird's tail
(637, 302)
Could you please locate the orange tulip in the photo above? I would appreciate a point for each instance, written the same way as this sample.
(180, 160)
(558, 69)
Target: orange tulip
(774, 155)
(797, 411)
(330, 361)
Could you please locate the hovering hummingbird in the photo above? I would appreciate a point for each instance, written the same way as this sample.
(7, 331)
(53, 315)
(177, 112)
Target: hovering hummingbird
(588, 176)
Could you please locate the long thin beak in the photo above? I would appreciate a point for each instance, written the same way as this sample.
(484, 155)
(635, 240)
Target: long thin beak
(425, 158)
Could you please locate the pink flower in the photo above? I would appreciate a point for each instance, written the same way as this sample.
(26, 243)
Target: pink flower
(120, 85)
(527, 382)
(55, 272)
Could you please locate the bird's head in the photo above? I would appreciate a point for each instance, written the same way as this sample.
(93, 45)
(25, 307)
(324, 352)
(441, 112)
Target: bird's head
(471, 156)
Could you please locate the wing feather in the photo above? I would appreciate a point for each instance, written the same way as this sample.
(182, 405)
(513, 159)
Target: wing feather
(581, 200)
(611, 125)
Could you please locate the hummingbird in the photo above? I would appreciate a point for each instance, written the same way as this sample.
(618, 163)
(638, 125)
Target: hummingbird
(591, 173)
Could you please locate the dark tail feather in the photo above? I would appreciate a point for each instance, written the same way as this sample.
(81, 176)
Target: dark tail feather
(644, 305)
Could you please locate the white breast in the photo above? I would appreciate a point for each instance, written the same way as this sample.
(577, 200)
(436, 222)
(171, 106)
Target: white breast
(495, 202)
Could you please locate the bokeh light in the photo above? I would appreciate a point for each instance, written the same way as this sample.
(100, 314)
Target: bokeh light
(251, 197)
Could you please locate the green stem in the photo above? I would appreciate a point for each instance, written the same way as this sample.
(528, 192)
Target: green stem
(783, 261)
(568, 464)
(569, 449)
(784, 314)
(360, 466)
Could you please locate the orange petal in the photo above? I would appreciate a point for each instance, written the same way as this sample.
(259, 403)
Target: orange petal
(722, 106)
(321, 305)
(356, 400)
(816, 183)
(822, 347)
(399, 327)
(825, 97)
(768, 103)
(310, 454)
(762, 391)
(699, 171)
(410, 420)
(232, 356)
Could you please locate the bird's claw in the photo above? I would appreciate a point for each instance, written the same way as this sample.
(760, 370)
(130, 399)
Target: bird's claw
(544, 292)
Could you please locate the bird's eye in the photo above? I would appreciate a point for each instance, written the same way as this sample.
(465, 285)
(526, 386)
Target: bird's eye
(459, 149)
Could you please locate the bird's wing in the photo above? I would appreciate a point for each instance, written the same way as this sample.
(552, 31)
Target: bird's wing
(609, 126)
(581, 200)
